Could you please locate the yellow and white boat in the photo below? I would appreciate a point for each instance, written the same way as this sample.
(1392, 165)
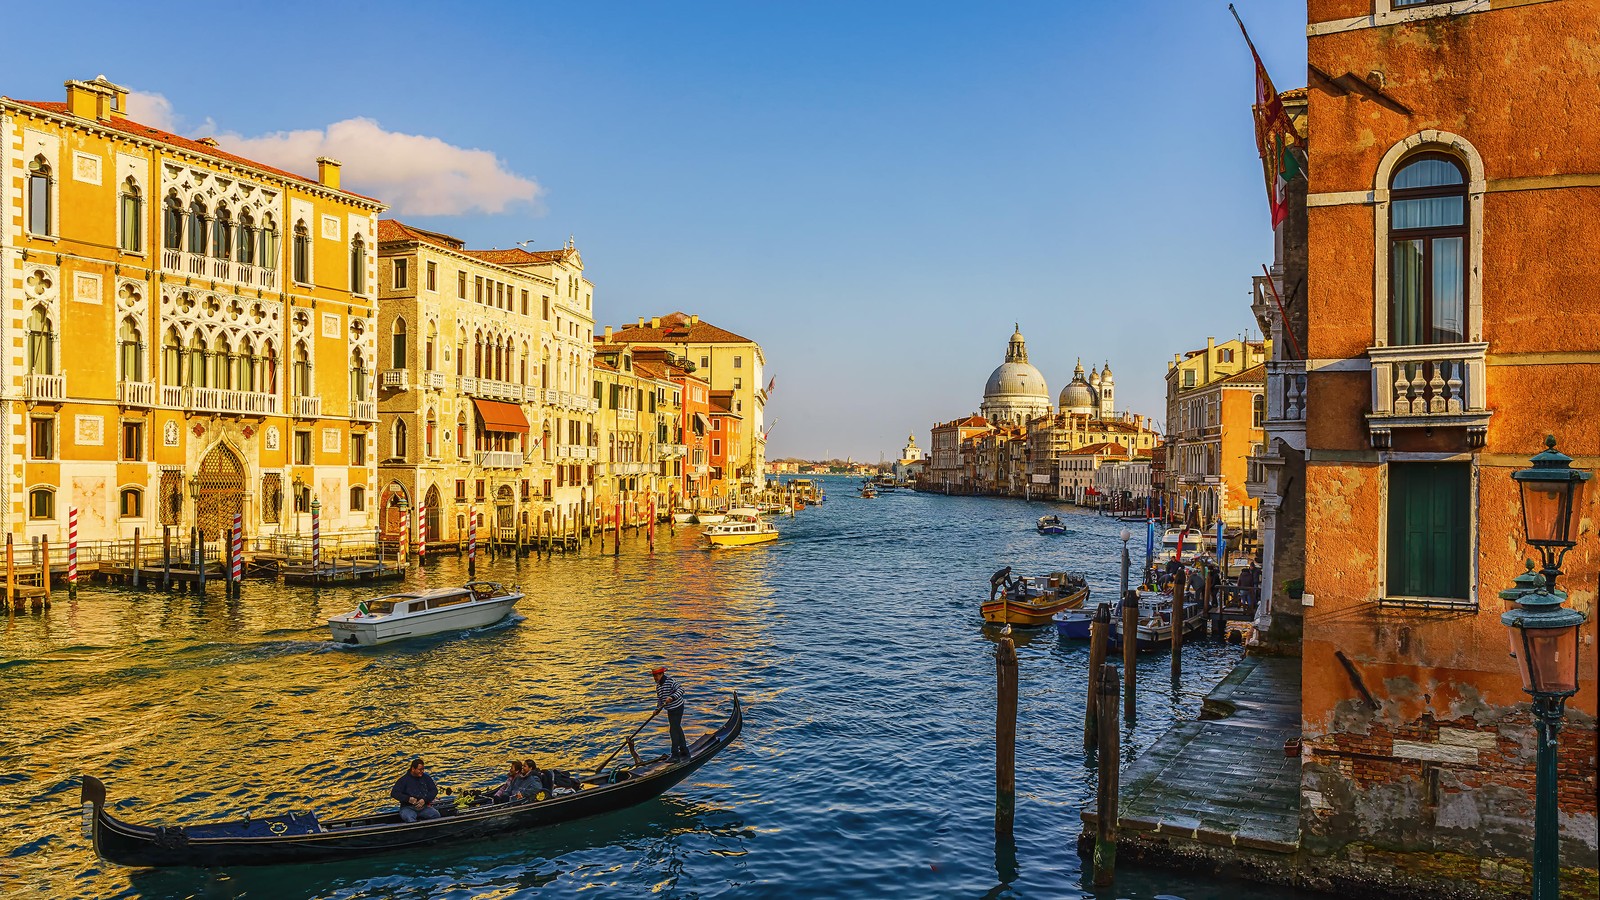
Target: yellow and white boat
(743, 527)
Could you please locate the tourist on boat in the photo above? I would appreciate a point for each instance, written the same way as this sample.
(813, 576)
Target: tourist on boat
(520, 783)
(415, 792)
(1170, 577)
(1249, 587)
(669, 695)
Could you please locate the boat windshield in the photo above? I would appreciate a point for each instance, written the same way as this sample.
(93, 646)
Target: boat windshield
(380, 606)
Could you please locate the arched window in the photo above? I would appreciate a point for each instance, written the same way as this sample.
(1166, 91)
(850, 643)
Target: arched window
(172, 358)
(269, 369)
(1428, 251)
(544, 371)
(461, 355)
(302, 253)
(358, 498)
(431, 436)
(269, 243)
(246, 378)
(247, 238)
(130, 351)
(42, 503)
(1258, 411)
(197, 227)
(300, 374)
(222, 234)
(130, 503)
(397, 347)
(400, 441)
(40, 196)
(461, 434)
(522, 365)
(199, 361)
(433, 338)
(477, 355)
(41, 343)
(358, 377)
(172, 223)
(358, 265)
(130, 217)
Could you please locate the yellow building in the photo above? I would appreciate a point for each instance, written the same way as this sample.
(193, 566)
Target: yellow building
(637, 406)
(221, 314)
(1216, 408)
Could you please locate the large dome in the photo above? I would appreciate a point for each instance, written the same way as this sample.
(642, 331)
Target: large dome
(1016, 392)
(1016, 379)
(1079, 396)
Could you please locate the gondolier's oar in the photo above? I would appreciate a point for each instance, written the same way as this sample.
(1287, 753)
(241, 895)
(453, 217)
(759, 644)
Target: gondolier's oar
(629, 738)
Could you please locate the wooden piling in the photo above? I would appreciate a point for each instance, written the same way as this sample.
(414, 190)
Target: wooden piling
(44, 572)
(166, 557)
(1177, 635)
(1130, 653)
(1005, 733)
(616, 537)
(1107, 783)
(136, 557)
(1099, 642)
(11, 575)
(199, 558)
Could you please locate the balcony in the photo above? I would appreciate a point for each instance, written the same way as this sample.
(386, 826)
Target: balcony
(490, 389)
(552, 398)
(181, 262)
(365, 410)
(671, 451)
(626, 415)
(220, 400)
(136, 393)
(532, 394)
(499, 459)
(307, 407)
(433, 381)
(563, 451)
(48, 388)
(395, 380)
(1286, 394)
(1429, 386)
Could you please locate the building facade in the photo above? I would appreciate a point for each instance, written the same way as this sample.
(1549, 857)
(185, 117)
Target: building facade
(222, 315)
(1215, 411)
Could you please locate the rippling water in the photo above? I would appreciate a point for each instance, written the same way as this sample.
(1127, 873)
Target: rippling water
(866, 765)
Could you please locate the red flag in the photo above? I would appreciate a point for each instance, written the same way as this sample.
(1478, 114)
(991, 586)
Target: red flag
(1275, 134)
(770, 382)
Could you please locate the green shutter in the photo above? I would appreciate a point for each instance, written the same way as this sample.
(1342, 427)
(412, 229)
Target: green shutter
(1428, 521)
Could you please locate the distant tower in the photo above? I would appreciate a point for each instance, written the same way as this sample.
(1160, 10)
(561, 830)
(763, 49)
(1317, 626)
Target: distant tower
(911, 452)
(1108, 404)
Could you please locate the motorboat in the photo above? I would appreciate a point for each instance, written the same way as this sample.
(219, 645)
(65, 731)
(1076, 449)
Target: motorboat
(1051, 525)
(743, 527)
(301, 837)
(708, 518)
(868, 492)
(1031, 601)
(682, 517)
(1189, 540)
(395, 616)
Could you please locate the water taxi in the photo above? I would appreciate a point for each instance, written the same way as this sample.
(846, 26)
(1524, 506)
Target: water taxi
(1191, 540)
(708, 518)
(743, 527)
(396, 616)
(1032, 601)
(1051, 525)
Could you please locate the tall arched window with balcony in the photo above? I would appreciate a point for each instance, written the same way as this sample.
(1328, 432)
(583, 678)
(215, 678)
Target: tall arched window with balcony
(400, 439)
(358, 377)
(477, 355)
(222, 234)
(196, 227)
(301, 270)
(269, 242)
(1258, 411)
(247, 238)
(41, 196)
(300, 374)
(433, 338)
(431, 436)
(41, 343)
(1428, 251)
(130, 351)
(130, 217)
(397, 345)
(269, 368)
(172, 223)
(199, 361)
(248, 375)
(172, 358)
(358, 265)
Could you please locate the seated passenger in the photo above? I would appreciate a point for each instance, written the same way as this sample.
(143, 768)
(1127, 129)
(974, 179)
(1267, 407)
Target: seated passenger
(509, 788)
(415, 792)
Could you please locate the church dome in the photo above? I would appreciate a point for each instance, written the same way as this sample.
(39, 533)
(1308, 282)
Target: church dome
(1013, 379)
(1078, 395)
(1016, 392)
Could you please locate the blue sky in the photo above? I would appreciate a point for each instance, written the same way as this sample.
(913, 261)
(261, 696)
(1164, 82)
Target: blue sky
(875, 191)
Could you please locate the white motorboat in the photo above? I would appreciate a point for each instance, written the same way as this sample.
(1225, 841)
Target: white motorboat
(1193, 544)
(744, 526)
(396, 616)
(682, 517)
(709, 518)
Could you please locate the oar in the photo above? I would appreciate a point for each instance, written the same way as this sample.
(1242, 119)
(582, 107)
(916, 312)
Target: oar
(625, 740)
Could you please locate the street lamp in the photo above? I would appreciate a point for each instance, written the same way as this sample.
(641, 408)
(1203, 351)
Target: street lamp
(1543, 636)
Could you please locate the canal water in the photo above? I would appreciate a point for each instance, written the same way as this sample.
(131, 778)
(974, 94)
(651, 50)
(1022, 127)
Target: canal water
(866, 766)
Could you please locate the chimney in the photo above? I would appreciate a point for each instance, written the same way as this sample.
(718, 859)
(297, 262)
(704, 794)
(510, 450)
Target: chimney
(328, 172)
(641, 321)
(694, 320)
(608, 334)
(208, 141)
(94, 99)
(655, 321)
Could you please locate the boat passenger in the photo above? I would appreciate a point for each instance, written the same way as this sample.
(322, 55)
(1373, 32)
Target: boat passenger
(551, 779)
(511, 789)
(669, 696)
(415, 792)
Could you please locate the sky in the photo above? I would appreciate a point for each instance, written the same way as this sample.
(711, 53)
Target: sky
(873, 191)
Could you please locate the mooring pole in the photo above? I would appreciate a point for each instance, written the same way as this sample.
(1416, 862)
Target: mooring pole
(72, 553)
(136, 557)
(199, 540)
(44, 569)
(1178, 603)
(1099, 641)
(1106, 784)
(1005, 732)
(11, 575)
(166, 557)
(1130, 651)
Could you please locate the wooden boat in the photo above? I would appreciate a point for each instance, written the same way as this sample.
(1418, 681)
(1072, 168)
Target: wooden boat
(743, 527)
(868, 492)
(304, 837)
(1031, 601)
(1051, 525)
(1154, 630)
(708, 517)
(395, 616)
(682, 517)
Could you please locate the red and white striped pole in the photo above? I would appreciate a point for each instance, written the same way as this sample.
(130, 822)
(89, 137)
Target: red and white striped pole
(72, 551)
(472, 542)
(316, 533)
(652, 525)
(238, 551)
(422, 532)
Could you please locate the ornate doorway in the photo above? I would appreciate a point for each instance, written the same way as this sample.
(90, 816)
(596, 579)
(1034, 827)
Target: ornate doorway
(221, 482)
(394, 518)
(435, 515)
(505, 510)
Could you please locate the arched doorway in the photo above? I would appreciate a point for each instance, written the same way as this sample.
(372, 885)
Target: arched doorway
(221, 491)
(435, 516)
(393, 522)
(505, 511)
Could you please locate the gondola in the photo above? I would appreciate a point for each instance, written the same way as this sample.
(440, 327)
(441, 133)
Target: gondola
(301, 837)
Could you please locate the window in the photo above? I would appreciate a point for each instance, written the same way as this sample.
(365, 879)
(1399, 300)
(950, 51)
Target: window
(302, 498)
(269, 243)
(39, 196)
(133, 441)
(129, 215)
(400, 441)
(130, 503)
(222, 234)
(302, 448)
(433, 276)
(358, 498)
(130, 352)
(738, 383)
(738, 362)
(461, 489)
(397, 346)
(705, 362)
(716, 446)
(1188, 378)
(196, 227)
(402, 275)
(1427, 252)
(302, 253)
(42, 432)
(301, 373)
(358, 449)
(172, 224)
(716, 424)
(41, 503)
(461, 285)
(477, 288)
(524, 302)
(41, 343)
(358, 377)
(358, 265)
(478, 490)
(271, 497)
(1258, 411)
(1429, 518)
(249, 237)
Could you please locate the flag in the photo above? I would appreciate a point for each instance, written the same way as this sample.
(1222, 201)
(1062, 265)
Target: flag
(1276, 137)
(770, 382)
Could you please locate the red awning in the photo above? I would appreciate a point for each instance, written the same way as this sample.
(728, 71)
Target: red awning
(499, 416)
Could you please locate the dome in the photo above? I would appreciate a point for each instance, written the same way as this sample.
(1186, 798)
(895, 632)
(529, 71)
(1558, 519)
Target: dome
(1079, 395)
(1016, 392)
(1016, 379)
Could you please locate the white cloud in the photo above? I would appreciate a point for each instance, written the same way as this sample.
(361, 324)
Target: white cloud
(415, 174)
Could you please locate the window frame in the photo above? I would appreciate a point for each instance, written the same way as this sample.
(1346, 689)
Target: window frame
(44, 426)
(40, 175)
(1428, 235)
(123, 493)
(1466, 511)
(48, 494)
(125, 427)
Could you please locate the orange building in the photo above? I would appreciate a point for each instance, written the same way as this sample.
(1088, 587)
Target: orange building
(1454, 320)
(725, 453)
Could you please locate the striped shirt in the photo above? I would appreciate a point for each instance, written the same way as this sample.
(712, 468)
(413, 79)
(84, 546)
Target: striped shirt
(669, 694)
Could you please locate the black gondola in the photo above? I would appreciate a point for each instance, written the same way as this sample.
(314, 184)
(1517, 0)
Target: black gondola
(300, 837)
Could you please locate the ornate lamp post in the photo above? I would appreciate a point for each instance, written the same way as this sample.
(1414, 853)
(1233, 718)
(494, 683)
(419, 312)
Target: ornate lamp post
(1544, 640)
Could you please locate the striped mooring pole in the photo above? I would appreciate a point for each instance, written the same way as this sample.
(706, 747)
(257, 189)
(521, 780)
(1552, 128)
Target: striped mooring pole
(72, 552)
(472, 542)
(422, 532)
(316, 533)
(238, 551)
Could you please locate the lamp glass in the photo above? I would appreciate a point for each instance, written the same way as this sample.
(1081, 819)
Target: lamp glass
(1551, 659)
(1546, 508)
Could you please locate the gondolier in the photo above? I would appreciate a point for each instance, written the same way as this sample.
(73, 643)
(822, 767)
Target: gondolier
(669, 696)
(415, 792)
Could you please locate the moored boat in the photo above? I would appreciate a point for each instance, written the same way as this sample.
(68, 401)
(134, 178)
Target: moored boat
(1154, 629)
(395, 616)
(1188, 541)
(1051, 525)
(682, 517)
(1031, 601)
(708, 518)
(304, 837)
(743, 527)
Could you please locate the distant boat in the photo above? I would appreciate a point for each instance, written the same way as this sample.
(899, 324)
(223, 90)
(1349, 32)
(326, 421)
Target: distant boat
(1031, 601)
(396, 616)
(1051, 525)
(682, 517)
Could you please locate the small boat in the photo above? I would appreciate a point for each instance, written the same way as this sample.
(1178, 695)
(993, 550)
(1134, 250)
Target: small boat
(743, 527)
(708, 518)
(395, 616)
(1154, 630)
(1051, 525)
(1032, 600)
(304, 837)
(682, 517)
(1074, 623)
(868, 492)
(1192, 544)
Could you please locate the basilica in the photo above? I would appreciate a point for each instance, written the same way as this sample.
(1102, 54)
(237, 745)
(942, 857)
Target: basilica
(1017, 394)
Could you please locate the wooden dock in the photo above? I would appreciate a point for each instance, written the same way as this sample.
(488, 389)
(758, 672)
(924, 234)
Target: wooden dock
(353, 571)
